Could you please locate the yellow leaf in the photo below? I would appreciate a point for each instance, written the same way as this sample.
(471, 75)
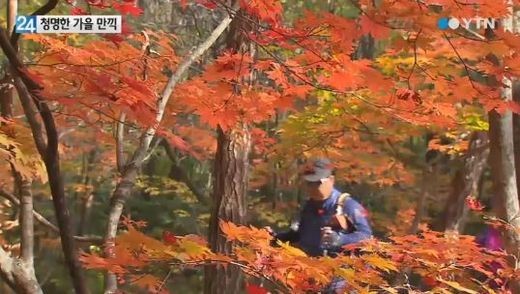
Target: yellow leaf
(457, 286)
(380, 263)
(291, 250)
(193, 249)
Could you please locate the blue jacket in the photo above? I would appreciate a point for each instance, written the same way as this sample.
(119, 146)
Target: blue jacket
(315, 215)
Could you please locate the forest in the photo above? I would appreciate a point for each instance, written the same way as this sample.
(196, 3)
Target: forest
(173, 156)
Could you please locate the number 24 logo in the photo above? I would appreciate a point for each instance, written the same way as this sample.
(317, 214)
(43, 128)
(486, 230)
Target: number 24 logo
(25, 24)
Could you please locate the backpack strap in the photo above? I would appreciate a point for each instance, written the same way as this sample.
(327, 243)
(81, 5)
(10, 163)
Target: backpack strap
(341, 201)
(340, 218)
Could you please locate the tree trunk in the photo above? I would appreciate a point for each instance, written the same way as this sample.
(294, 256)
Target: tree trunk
(516, 132)
(26, 219)
(502, 161)
(229, 204)
(27, 90)
(88, 196)
(121, 194)
(17, 275)
(466, 182)
(503, 174)
(7, 89)
(20, 271)
(429, 179)
(231, 172)
(365, 49)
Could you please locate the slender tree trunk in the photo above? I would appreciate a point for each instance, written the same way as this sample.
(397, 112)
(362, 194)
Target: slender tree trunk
(26, 222)
(21, 273)
(516, 132)
(7, 90)
(121, 194)
(429, 179)
(504, 175)
(466, 182)
(365, 49)
(502, 161)
(48, 149)
(88, 196)
(229, 204)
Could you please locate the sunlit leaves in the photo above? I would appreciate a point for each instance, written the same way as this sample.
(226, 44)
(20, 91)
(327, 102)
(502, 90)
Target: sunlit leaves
(448, 258)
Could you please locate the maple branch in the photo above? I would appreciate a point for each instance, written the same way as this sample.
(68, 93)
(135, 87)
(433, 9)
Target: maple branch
(466, 67)
(317, 31)
(318, 87)
(120, 155)
(130, 170)
(44, 221)
(30, 114)
(178, 174)
(146, 138)
(94, 65)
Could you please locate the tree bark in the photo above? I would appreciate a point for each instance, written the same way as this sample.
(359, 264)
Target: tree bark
(17, 275)
(502, 161)
(88, 196)
(429, 178)
(229, 204)
(23, 275)
(7, 90)
(516, 132)
(231, 174)
(26, 219)
(466, 182)
(504, 176)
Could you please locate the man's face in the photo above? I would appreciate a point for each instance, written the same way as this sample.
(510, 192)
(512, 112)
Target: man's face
(320, 190)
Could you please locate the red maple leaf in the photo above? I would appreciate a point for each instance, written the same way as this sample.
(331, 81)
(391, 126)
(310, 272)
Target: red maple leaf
(169, 238)
(77, 11)
(128, 8)
(208, 4)
(254, 289)
(474, 204)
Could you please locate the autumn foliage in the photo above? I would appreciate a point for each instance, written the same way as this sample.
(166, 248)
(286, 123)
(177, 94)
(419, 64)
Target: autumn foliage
(445, 262)
(309, 89)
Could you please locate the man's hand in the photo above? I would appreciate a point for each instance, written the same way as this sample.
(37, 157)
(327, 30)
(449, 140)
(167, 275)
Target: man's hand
(329, 238)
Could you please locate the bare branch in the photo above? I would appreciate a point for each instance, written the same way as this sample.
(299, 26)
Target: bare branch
(42, 220)
(178, 174)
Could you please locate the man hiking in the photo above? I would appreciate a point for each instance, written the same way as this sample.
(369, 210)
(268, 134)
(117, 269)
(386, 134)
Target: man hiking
(329, 219)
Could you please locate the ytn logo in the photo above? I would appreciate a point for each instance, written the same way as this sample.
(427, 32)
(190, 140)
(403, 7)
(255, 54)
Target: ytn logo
(468, 23)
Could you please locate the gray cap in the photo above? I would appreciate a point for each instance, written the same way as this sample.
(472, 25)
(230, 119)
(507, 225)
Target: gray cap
(319, 169)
